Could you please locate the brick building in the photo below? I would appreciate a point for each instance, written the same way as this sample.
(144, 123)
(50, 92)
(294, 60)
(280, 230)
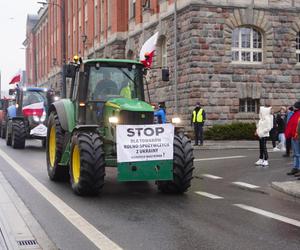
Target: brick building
(233, 55)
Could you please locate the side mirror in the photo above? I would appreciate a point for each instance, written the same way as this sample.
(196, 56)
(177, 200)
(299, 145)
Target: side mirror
(70, 70)
(165, 75)
(11, 91)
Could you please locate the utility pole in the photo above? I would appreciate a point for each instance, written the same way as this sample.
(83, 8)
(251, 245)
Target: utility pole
(176, 60)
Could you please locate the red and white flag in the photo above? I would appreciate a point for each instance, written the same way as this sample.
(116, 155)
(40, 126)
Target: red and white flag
(36, 109)
(147, 51)
(15, 79)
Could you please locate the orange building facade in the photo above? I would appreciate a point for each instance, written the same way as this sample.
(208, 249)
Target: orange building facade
(64, 28)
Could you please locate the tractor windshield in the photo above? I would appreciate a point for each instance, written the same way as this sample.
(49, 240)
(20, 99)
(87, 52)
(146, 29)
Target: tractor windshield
(31, 97)
(111, 82)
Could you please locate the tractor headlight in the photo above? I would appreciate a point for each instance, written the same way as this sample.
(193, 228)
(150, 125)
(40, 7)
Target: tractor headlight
(43, 117)
(113, 119)
(176, 120)
(36, 118)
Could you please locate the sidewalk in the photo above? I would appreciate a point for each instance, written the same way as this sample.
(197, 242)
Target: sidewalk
(229, 145)
(18, 228)
(291, 188)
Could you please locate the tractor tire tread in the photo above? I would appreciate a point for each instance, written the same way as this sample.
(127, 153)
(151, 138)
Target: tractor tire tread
(18, 134)
(92, 164)
(182, 166)
(57, 173)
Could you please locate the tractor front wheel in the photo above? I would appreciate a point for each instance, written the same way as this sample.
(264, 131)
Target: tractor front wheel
(54, 148)
(18, 134)
(87, 169)
(183, 162)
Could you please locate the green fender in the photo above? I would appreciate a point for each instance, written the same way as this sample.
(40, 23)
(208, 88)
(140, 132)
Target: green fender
(66, 113)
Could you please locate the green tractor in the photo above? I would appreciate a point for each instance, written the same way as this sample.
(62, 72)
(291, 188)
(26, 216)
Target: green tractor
(104, 95)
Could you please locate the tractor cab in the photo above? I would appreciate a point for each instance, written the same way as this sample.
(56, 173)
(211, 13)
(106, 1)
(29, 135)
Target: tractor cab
(27, 118)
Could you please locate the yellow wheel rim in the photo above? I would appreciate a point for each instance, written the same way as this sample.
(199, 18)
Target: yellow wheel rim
(52, 146)
(76, 163)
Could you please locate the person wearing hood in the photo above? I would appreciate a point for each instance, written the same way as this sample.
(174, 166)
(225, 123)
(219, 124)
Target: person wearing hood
(198, 119)
(264, 126)
(292, 133)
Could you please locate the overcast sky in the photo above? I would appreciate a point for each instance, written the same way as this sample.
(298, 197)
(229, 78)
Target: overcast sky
(13, 14)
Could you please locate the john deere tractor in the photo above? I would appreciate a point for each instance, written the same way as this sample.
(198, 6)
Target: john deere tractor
(106, 94)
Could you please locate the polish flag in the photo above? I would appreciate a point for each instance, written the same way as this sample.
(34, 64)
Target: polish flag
(147, 51)
(34, 109)
(15, 79)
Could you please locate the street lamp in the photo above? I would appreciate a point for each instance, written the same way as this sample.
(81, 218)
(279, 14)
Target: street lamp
(63, 37)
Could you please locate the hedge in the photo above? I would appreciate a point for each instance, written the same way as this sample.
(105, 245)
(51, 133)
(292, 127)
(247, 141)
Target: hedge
(233, 131)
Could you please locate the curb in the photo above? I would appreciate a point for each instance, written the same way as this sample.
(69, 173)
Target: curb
(220, 147)
(291, 188)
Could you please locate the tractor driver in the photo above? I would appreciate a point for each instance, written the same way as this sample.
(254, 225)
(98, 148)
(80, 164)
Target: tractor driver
(105, 86)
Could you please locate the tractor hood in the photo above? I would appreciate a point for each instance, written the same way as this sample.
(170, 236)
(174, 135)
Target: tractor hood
(129, 104)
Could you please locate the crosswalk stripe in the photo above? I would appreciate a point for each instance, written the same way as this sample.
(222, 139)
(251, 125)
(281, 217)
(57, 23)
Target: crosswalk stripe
(269, 214)
(212, 176)
(221, 158)
(208, 195)
(244, 184)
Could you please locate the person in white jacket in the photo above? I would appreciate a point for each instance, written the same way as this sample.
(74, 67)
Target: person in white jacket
(264, 125)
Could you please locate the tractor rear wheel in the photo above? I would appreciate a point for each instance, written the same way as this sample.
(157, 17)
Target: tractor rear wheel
(54, 148)
(18, 134)
(8, 135)
(183, 162)
(87, 169)
(3, 131)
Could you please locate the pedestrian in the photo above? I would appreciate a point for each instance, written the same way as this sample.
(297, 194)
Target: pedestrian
(274, 134)
(288, 142)
(198, 120)
(160, 113)
(280, 121)
(263, 129)
(291, 132)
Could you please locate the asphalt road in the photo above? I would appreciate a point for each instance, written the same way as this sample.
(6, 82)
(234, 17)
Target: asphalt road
(214, 214)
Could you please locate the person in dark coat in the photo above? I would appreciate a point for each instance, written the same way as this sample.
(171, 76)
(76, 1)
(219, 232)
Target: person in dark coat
(288, 142)
(198, 120)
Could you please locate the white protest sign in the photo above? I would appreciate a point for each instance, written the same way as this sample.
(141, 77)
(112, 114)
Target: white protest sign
(144, 142)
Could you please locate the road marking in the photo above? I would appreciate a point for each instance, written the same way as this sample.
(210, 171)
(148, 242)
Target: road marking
(212, 196)
(95, 236)
(269, 214)
(221, 158)
(244, 184)
(212, 176)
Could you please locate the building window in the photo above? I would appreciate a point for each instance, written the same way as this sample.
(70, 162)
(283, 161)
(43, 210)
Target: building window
(132, 9)
(146, 4)
(298, 47)
(246, 46)
(249, 105)
(96, 27)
